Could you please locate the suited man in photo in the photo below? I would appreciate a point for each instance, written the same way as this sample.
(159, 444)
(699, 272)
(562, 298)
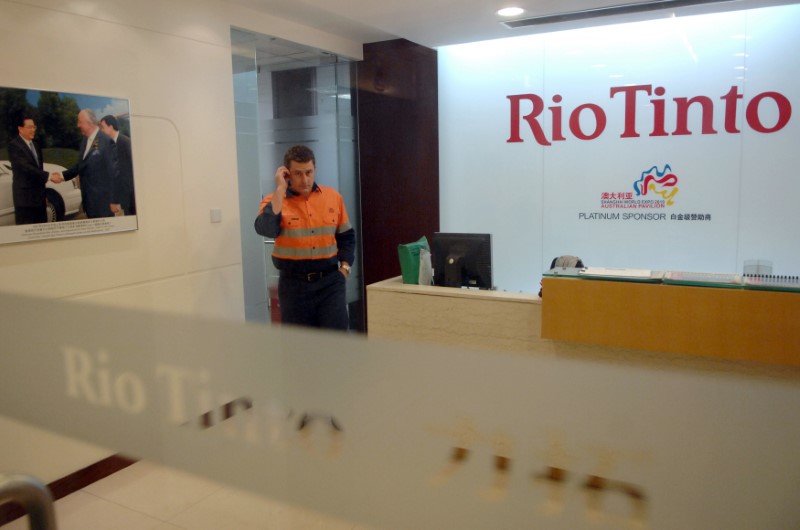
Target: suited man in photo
(28, 176)
(97, 167)
(122, 197)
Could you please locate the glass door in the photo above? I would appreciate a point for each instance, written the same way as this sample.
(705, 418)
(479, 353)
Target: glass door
(288, 94)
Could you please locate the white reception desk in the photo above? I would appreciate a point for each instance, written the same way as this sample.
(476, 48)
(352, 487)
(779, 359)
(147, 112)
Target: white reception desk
(513, 322)
(461, 317)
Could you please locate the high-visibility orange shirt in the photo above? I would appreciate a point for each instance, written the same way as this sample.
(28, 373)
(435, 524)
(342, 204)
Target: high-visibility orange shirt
(307, 229)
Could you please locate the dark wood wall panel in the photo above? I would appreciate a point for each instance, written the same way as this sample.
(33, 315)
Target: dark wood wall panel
(398, 123)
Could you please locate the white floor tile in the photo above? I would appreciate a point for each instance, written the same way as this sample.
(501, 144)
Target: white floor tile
(231, 508)
(156, 491)
(83, 511)
(145, 496)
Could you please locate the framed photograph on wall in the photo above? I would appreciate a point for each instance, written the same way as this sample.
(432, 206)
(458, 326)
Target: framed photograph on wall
(66, 165)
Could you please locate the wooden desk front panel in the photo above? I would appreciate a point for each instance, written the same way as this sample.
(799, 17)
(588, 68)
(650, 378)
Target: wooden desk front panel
(735, 324)
(476, 319)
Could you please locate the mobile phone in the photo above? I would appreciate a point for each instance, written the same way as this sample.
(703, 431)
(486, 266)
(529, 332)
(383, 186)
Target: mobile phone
(286, 175)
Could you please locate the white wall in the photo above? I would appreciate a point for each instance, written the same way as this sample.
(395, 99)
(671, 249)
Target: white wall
(172, 60)
(530, 196)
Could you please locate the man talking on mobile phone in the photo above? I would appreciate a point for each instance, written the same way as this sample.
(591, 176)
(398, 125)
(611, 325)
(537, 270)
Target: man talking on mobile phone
(314, 243)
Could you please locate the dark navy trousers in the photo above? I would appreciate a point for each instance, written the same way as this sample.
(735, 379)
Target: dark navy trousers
(321, 303)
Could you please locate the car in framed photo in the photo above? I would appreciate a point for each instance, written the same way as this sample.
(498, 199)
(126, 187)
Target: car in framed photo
(63, 199)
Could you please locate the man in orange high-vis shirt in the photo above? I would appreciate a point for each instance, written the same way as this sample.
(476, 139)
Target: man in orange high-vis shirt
(314, 243)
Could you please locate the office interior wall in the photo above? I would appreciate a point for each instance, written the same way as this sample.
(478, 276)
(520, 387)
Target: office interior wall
(172, 60)
(543, 197)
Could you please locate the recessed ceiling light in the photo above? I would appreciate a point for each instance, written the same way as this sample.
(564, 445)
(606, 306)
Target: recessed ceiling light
(510, 11)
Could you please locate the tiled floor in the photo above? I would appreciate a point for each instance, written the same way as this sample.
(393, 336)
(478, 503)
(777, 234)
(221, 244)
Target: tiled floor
(145, 496)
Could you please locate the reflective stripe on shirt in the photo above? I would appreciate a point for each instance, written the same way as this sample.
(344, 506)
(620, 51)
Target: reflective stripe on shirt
(309, 226)
(304, 252)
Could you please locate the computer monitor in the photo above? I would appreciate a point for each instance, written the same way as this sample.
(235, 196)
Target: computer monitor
(462, 260)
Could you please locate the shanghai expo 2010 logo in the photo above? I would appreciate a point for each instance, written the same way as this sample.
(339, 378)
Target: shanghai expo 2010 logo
(663, 183)
(654, 189)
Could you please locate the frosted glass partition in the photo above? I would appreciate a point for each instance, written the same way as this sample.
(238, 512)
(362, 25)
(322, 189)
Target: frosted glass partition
(406, 435)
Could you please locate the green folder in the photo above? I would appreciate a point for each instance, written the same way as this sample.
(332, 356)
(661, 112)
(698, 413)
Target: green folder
(409, 259)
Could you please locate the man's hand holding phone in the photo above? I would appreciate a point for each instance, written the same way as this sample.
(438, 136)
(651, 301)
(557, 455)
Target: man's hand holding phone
(281, 185)
(281, 179)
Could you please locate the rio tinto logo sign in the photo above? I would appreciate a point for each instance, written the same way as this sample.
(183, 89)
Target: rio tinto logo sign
(588, 121)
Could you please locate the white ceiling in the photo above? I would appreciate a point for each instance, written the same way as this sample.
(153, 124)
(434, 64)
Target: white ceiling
(435, 23)
(431, 23)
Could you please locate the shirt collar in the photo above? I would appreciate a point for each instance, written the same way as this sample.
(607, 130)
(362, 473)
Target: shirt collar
(92, 136)
(291, 193)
